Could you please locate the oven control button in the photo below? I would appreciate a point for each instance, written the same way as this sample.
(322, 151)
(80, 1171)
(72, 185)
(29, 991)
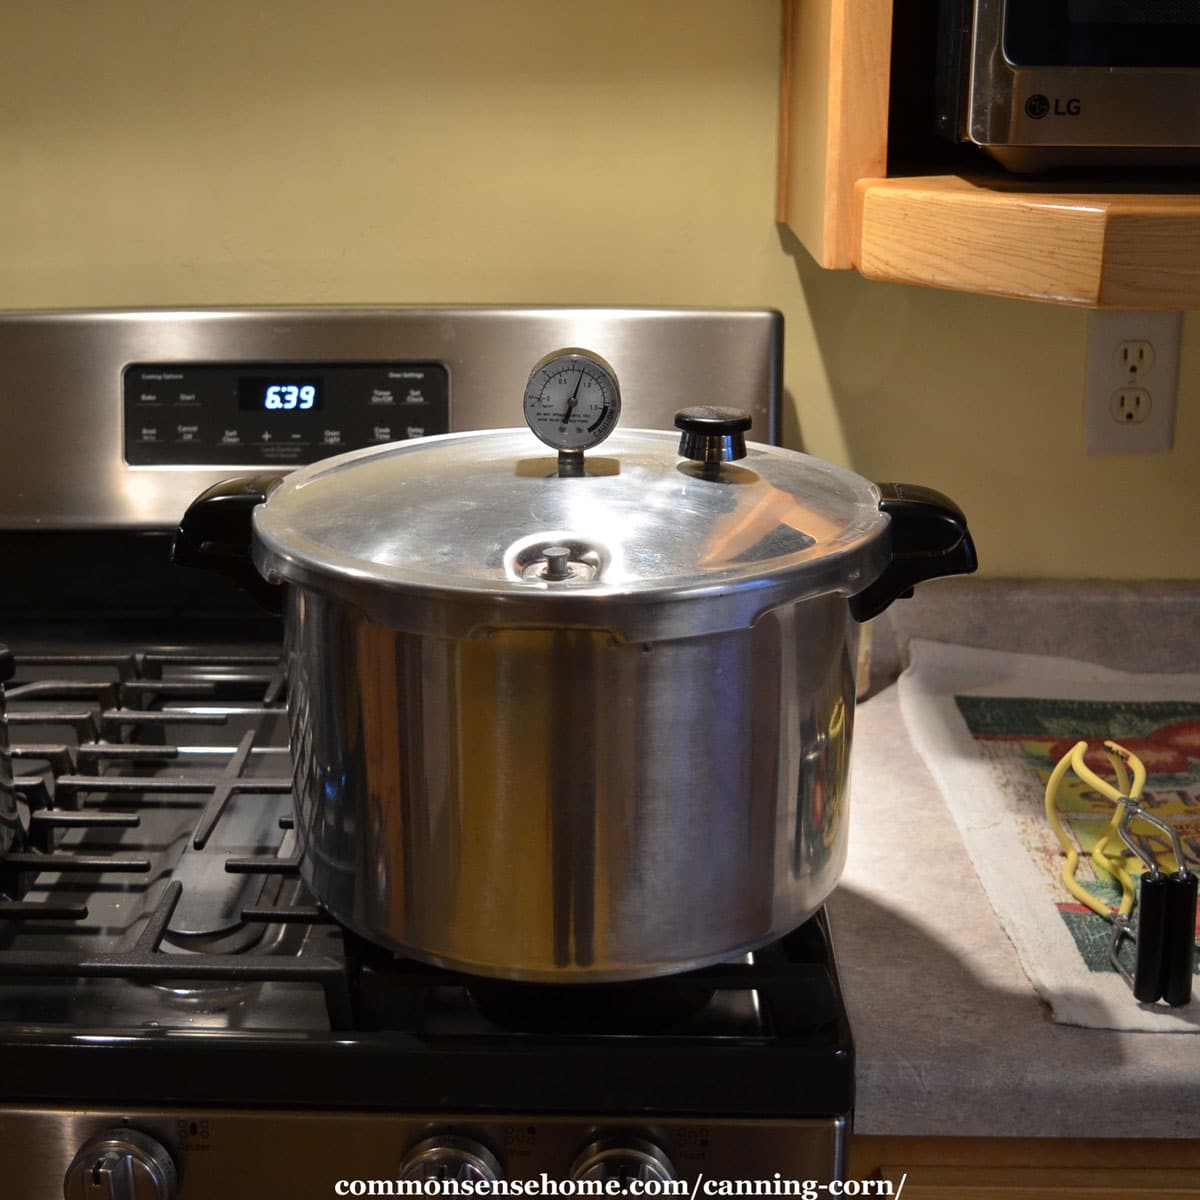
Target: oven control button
(623, 1159)
(447, 1156)
(122, 1164)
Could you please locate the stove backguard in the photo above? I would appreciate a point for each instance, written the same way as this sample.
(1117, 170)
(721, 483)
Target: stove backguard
(123, 417)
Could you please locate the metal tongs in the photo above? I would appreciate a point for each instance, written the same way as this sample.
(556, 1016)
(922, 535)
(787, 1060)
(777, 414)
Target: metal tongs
(1164, 933)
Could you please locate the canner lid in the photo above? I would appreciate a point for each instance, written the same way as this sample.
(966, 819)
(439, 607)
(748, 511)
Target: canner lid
(449, 535)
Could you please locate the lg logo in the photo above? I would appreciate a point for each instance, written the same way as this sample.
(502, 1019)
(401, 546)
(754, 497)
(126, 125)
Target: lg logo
(1039, 106)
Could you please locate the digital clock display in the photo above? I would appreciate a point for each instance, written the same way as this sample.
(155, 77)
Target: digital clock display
(279, 393)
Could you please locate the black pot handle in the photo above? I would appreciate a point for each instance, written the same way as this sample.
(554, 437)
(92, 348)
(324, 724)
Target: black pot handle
(929, 540)
(216, 534)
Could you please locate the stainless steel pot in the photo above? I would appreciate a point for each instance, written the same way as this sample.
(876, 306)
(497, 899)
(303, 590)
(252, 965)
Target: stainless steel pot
(573, 725)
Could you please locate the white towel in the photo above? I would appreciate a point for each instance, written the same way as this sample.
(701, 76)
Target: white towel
(990, 725)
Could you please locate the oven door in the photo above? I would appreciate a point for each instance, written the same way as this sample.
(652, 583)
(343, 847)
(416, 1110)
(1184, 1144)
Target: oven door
(1102, 33)
(1118, 75)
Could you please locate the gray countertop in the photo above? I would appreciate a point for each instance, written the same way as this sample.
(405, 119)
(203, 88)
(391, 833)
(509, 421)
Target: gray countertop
(950, 1037)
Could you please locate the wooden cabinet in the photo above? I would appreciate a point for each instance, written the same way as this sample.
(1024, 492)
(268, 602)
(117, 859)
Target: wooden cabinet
(1092, 244)
(1030, 1168)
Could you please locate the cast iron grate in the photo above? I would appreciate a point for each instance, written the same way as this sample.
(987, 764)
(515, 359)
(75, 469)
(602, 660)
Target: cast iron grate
(113, 751)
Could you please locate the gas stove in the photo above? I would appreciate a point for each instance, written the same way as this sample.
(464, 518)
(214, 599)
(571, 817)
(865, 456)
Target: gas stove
(176, 1014)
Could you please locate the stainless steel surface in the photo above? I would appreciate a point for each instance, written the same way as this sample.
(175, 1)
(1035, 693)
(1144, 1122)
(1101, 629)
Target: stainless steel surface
(1088, 106)
(623, 1159)
(429, 536)
(705, 448)
(70, 473)
(554, 804)
(449, 1156)
(123, 1164)
(246, 1152)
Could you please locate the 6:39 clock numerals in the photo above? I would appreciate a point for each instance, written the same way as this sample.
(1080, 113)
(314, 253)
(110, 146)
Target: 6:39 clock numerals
(289, 395)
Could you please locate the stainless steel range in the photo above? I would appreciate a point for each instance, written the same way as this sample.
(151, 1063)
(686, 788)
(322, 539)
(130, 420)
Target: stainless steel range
(177, 1016)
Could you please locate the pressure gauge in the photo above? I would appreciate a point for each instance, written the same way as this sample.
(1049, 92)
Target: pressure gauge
(572, 400)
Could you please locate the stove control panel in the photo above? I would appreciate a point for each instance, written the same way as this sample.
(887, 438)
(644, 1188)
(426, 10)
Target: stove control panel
(276, 414)
(212, 1154)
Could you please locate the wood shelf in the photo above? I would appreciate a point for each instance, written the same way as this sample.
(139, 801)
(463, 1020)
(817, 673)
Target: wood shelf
(1004, 237)
(833, 114)
(1095, 247)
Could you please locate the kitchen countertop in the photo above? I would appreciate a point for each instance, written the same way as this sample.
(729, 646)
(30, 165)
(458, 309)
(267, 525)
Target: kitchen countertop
(951, 1038)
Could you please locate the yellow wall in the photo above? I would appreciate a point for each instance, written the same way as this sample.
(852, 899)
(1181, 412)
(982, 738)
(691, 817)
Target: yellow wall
(542, 150)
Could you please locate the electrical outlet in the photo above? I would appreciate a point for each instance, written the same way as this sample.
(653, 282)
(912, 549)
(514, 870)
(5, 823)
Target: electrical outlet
(1135, 358)
(1132, 380)
(1130, 406)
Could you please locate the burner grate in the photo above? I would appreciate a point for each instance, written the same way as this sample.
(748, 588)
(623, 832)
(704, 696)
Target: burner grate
(98, 766)
(148, 962)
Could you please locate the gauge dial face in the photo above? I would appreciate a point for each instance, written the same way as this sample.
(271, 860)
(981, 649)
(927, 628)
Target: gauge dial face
(572, 400)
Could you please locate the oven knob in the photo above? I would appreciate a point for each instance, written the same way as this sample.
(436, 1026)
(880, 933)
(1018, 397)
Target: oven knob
(122, 1164)
(623, 1159)
(447, 1156)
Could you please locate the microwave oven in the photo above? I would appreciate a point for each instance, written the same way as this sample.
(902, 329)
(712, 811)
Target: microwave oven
(1048, 83)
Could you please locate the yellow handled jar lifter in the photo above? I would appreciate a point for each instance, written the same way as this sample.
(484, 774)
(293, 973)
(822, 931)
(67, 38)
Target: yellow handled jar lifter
(1164, 933)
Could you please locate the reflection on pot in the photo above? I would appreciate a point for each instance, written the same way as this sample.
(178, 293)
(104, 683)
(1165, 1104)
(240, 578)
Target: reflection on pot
(560, 805)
